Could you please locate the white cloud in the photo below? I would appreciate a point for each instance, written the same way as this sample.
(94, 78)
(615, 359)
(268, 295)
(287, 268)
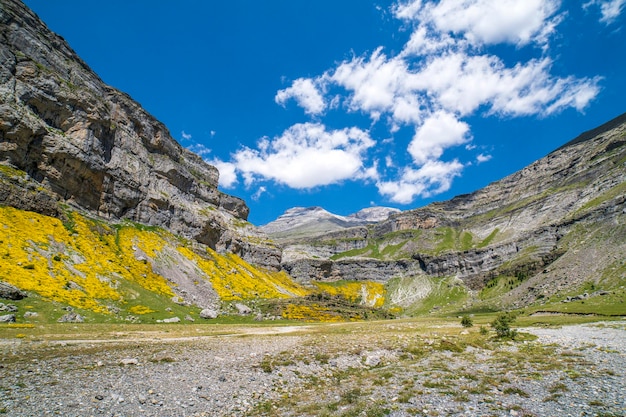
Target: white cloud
(440, 131)
(488, 21)
(228, 176)
(259, 192)
(306, 93)
(306, 156)
(434, 177)
(199, 149)
(609, 9)
(186, 136)
(482, 158)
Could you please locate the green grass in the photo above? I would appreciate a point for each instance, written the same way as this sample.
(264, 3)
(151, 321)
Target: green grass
(602, 305)
(486, 241)
(618, 190)
(447, 295)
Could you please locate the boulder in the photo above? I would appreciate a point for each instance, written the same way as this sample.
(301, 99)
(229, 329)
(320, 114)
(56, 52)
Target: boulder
(71, 317)
(243, 309)
(7, 318)
(209, 313)
(10, 292)
(171, 320)
(9, 308)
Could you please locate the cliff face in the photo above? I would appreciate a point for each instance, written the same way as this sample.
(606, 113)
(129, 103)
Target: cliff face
(66, 138)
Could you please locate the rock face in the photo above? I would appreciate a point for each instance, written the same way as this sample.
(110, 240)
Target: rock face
(66, 137)
(557, 223)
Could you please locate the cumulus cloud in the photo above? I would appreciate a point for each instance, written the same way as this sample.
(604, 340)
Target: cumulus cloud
(228, 174)
(440, 131)
(306, 93)
(480, 158)
(487, 21)
(305, 156)
(186, 136)
(432, 178)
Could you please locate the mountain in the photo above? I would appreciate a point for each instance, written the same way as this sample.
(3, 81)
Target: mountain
(313, 221)
(546, 231)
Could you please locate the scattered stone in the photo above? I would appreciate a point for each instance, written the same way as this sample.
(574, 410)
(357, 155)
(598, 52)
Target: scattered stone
(372, 360)
(208, 313)
(11, 308)
(7, 318)
(129, 361)
(114, 309)
(30, 314)
(71, 318)
(178, 300)
(259, 317)
(243, 309)
(10, 292)
(99, 397)
(189, 318)
(171, 320)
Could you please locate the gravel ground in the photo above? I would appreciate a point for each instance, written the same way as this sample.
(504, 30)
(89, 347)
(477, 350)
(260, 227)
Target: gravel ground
(570, 371)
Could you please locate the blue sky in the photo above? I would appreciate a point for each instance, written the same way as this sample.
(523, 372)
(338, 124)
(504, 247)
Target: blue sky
(353, 103)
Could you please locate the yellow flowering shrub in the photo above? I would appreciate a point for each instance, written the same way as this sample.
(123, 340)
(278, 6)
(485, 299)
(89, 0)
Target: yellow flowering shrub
(234, 279)
(371, 294)
(81, 268)
(310, 313)
(129, 239)
(140, 310)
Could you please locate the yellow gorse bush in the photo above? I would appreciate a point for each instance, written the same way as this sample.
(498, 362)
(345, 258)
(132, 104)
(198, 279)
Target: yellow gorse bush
(310, 313)
(234, 279)
(371, 294)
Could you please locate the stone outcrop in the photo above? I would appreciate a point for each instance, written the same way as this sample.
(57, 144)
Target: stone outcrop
(9, 292)
(68, 138)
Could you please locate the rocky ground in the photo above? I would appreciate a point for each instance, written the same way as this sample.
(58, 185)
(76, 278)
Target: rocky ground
(385, 368)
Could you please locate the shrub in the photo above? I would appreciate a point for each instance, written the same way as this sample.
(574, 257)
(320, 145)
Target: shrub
(466, 321)
(502, 325)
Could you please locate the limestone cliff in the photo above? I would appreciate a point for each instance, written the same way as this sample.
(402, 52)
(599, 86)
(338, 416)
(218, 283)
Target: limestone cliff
(66, 138)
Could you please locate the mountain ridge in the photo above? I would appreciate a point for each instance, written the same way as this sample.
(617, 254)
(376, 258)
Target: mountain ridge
(312, 221)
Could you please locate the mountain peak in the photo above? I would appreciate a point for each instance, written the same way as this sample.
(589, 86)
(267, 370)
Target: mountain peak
(315, 220)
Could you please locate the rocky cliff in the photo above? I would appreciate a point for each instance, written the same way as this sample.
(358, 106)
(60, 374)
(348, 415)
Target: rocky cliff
(69, 140)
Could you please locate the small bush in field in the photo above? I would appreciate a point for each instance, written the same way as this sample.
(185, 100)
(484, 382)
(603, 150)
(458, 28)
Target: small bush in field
(466, 321)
